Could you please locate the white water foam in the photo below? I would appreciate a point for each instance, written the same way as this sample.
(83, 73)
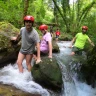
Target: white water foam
(82, 88)
(10, 75)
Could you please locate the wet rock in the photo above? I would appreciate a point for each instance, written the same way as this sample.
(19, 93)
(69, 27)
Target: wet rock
(85, 67)
(55, 47)
(6, 90)
(47, 73)
(88, 69)
(8, 52)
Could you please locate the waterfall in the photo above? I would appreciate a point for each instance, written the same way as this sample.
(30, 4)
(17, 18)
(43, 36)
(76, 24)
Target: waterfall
(71, 86)
(10, 75)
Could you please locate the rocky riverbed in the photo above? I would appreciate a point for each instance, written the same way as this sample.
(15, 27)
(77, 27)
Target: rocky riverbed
(6, 90)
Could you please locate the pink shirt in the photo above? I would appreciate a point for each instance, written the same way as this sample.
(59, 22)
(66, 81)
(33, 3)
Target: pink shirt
(44, 42)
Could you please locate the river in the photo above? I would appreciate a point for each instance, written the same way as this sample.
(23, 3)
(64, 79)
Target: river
(24, 81)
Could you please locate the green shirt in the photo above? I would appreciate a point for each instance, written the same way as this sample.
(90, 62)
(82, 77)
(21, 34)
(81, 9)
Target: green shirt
(80, 40)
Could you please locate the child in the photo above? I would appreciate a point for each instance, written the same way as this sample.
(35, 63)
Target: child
(57, 33)
(46, 41)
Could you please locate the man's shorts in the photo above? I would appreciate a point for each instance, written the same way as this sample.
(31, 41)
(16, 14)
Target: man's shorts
(41, 53)
(77, 50)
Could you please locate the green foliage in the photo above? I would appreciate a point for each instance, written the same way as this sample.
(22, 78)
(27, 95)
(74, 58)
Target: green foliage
(73, 15)
(37, 10)
(68, 17)
(48, 17)
(12, 11)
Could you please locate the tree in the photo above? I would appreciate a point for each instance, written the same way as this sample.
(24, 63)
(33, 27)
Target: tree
(26, 5)
(73, 15)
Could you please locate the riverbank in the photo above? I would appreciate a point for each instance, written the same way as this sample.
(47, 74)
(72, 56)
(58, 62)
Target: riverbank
(7, 90)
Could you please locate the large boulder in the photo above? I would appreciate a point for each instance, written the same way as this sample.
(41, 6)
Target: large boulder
(8, 52)
(47, 73)
(89, 68)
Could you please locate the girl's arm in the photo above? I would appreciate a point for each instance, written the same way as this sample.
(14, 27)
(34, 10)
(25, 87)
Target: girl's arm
(50, 49)
(38, 52)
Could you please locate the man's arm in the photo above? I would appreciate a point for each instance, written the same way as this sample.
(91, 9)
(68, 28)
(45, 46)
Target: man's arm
(73, 40)
(15, 40)
(91, 42)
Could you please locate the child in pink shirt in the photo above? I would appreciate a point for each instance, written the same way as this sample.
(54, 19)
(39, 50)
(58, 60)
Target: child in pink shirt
(44, 46)
(46, 41)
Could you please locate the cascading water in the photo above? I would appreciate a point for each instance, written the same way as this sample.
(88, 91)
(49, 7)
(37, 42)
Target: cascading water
(11, 76)
(71, 87)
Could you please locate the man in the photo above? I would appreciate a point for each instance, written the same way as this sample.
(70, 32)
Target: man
(29, 39)
(80, 40)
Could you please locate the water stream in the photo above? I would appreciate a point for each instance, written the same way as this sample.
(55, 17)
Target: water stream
(71, 87)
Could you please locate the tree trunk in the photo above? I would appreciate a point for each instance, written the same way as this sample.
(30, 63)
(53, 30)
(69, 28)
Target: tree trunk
(26, 5)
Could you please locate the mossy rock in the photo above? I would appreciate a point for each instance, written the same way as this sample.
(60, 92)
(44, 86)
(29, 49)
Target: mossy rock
(89, 68)
(55, 47)
(7, 50)
(47, 73)
(6, 31)
(9, 28)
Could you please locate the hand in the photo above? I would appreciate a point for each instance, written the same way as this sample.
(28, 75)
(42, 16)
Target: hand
(70, 46)
(14, 41)
(13, 38)
(50, 57)
(38, 61)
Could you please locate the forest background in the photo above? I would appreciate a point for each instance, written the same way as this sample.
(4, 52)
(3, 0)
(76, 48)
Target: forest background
(69, 18)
